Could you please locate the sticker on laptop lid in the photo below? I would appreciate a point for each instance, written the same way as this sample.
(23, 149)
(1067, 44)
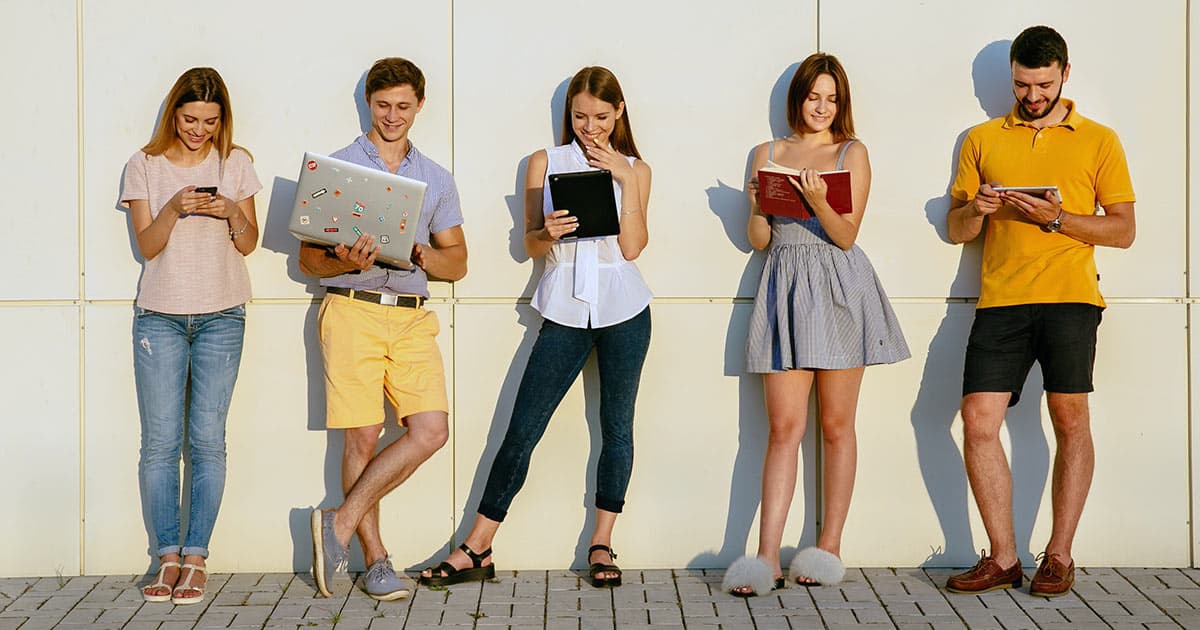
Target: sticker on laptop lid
(304, 220)
(331, 229)
(319, 192)
(385, 239)
(312, 165)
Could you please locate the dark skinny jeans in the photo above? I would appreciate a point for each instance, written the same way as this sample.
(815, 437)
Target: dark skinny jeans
(557, 358)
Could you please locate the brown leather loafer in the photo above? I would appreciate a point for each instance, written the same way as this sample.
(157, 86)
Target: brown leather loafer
(1053, 578)
(986, 576)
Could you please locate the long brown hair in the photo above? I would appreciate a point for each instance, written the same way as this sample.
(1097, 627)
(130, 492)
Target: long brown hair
(601, 83)
(197, 84)
(802, 83)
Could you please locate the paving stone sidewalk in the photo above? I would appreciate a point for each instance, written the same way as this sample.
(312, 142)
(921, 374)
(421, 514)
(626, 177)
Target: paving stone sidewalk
(553, 600)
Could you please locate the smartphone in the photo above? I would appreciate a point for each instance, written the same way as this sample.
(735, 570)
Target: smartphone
(212, 190)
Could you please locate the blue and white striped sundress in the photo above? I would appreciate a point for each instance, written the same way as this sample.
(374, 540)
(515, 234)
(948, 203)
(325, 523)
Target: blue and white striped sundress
(819, 306)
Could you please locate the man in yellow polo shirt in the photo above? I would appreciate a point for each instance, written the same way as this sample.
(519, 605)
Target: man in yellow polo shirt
(1039, 297)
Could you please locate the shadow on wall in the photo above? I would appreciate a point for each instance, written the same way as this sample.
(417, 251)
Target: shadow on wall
(277, 238)
(731, 207)
(937, 404)
(360, 103)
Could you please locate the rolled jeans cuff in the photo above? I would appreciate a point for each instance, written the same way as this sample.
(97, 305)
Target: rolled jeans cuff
(492, 512)
(195, 551)
(609, 505)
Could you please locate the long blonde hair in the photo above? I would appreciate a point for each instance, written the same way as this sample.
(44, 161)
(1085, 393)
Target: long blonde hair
(197, 84)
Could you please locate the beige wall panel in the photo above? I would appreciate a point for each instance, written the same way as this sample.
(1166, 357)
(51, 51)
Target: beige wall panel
(912, 504)
(39, 441)
(1140, 422)
(910, 499)
(950, 72)
(698, 101)
(281, 460)
(40, 151)
(117, 538)
(700, 434)
(286, 97)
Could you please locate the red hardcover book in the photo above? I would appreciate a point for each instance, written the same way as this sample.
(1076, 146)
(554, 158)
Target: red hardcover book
(777, 196)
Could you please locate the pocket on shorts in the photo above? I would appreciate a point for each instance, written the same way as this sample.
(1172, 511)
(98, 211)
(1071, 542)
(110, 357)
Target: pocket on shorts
(430, 324)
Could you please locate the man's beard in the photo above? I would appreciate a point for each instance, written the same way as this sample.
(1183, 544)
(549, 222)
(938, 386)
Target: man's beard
(1029, 116)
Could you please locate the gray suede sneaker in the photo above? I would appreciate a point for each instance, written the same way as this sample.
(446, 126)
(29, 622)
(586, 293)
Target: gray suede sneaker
(382, 583)
(328, 556)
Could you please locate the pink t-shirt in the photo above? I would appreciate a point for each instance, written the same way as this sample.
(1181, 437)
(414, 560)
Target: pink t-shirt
(199, 270)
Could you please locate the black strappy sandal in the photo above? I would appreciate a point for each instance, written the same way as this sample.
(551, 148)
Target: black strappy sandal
(450, 575)
(780, 584)
(597, 568)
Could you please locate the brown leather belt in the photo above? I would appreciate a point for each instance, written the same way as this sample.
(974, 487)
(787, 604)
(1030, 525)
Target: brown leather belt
(407, 301)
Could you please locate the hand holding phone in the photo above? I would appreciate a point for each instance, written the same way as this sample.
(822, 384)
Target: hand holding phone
(211, 190)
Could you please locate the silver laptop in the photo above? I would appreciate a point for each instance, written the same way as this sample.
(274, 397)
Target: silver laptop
(338, 201)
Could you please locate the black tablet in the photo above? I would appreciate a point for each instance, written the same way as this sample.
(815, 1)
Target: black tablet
(589, 196)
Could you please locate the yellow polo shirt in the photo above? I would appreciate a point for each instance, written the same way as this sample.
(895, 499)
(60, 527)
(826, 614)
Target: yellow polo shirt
(1021, 263)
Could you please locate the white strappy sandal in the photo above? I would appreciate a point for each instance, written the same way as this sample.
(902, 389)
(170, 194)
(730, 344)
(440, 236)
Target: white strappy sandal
(158, 599)
(186, 585)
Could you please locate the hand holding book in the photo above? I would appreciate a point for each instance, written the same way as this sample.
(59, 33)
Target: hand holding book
(788, 192)
(811, 186)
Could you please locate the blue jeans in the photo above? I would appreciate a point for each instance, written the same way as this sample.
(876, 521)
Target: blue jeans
(557, 358)
(173, 354)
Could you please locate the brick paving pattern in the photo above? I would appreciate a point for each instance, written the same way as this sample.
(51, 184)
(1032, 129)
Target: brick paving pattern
(562, 600)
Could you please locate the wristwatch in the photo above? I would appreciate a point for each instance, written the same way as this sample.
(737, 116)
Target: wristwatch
(1055, 224)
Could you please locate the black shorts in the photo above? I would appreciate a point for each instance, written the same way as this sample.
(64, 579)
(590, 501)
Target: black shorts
(1006, 340)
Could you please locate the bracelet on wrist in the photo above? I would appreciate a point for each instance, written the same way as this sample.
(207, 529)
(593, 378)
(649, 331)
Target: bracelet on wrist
(233, 234)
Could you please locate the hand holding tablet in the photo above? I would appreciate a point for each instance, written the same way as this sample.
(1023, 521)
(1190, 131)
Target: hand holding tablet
(1036, 191)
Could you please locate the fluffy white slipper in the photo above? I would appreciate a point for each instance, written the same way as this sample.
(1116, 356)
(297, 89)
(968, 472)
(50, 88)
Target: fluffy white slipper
(748, 571)
(819, 565)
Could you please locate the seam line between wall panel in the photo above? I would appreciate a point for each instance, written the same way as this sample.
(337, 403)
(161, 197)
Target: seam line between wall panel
(82, 297)
(1187, 260)
(453, 317)
(817, 36)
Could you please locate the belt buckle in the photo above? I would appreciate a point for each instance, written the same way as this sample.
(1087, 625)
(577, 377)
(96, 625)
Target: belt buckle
(387, 300)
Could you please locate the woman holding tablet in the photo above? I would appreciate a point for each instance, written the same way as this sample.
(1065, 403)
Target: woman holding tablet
(190, 194)
(819, 317)
(591, 296)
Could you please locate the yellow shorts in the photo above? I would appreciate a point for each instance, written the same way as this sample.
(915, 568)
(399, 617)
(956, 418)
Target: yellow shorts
(371, 348)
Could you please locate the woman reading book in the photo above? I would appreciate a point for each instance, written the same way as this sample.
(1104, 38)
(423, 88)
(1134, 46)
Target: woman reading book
(590, 295)
(820, 316)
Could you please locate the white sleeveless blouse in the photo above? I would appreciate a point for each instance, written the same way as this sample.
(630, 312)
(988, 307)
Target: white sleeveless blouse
(587, 282)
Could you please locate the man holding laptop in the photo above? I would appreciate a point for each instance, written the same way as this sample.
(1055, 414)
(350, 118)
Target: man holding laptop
(365, 305)
(1039, 296)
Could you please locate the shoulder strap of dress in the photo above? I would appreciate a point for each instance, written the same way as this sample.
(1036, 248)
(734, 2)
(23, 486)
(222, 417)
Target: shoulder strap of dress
(842, 153)
(771, 150)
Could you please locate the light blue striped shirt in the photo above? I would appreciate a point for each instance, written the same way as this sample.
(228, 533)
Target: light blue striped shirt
(442, 210)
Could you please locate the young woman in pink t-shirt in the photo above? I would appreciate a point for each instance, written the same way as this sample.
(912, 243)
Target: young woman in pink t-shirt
(190, 194)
